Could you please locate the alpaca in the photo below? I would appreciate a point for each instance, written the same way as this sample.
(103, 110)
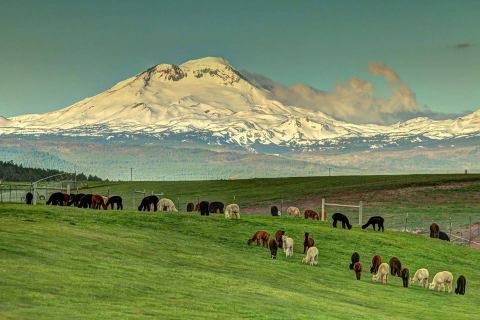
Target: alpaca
(190, 207)
(421, 275)
(461, 283)
(58, 199)
(404, 274)
(434, 230)
(343, 218)
(307, 242)
(355, 258)
(114, 200)
(216, 207)
(274, 211)
(98, 202)
(395, 266)
(278, 237)
(273, 245)
(167, 205)
(382, 273)
(440, 279)
(310, 214)
(358, 269)
(75, 199)
(376, 261)
(232, 211)
(203, 208)
(85, 201)
(261, 237)
(29, 198)
(443, 236)
(293, 211)
(311, 257)
(147, 202)
(287, 246)
(377, 220)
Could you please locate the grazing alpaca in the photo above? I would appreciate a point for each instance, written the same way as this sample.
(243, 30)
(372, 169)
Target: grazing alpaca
(114, 200)
(232, 211)
(261, 237)
(272, 244)
(434, 231)
(147, 202)
(311, 257)
(278, 237)
(307, 242)
(287, 246)
(98, 202)
(355, 259)
(440, 279)
(404, 274)
(293, 211)
(461, 283)
(216, 207)
(197, 207)
(421, 275)
(167, 205)
(343, 218)
(358, 269)
(395, 266)
(58, 199)
(382, 273)
(85, 201)
(443, 236)
(75, 199)
(29, 198)
(274, 211)
(310, 214)
(190, 207)
(203, 208)
(374, 221)
(376, 261)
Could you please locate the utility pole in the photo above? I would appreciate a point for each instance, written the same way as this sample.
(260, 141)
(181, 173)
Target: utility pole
(329, 171)
(131, 174)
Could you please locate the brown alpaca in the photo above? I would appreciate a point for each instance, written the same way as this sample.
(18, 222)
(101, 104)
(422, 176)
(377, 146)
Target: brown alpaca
(310, 214)
(358, 270)
(278, 238)
(273, 245)
(376, 262)
(434, 231)
(261, 237)
(98, 202)
(308, 242)
(395, 266)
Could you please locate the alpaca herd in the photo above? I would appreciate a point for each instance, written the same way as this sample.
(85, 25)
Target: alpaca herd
(80, 200)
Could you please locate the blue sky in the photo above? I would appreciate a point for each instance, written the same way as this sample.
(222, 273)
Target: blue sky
(54, 53)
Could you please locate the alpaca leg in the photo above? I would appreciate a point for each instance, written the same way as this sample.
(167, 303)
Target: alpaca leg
(373, 226)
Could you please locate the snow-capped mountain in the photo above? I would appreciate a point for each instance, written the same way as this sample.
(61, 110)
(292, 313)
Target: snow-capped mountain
(208, 98)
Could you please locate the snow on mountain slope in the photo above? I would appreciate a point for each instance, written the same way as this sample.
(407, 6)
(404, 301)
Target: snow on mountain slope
(209, 96)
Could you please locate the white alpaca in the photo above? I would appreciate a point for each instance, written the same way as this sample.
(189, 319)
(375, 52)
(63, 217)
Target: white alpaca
(287, 246)
(421, 276)
(166, 205)
(440, 279)
(382, 273)
(293, 211)
(232, 211)
(311, 257)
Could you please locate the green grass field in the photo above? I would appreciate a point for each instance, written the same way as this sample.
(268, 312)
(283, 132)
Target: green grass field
(68, 263)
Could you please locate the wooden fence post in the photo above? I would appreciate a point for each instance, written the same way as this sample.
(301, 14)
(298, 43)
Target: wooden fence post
(323, 209)
(360, 212)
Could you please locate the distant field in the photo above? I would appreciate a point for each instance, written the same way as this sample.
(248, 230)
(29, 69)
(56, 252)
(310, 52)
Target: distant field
(69, 263)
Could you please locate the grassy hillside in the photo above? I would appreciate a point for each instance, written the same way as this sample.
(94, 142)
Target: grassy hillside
(68, 263)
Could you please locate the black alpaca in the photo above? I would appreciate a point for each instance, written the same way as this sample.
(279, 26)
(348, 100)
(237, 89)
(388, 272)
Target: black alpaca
(216, 207)
(461, 283)
(204, 208)
(377, 220)
(443, 236)
(85, 201)
(395, 266)
(404, 274)
(114, 200)
(147, 202)
(274, 211)
(190, 207)
(56, 199)
(343, 218)
(75, 199)
(29, 198)
(355, 259)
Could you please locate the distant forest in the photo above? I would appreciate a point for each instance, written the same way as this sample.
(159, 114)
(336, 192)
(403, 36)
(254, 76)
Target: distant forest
(10, 171)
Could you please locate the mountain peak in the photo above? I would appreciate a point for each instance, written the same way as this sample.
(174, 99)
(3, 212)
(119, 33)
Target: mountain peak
(206, 62)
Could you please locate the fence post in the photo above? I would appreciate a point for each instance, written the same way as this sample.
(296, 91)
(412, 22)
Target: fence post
(450, 227)
(360, 212)
(323, 209)
(178, 203)
(470, 225)
(406, 221)
(281, 205)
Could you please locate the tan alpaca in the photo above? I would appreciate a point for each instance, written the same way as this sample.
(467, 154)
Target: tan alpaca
(440, 279)
(382, 273)
(166, 205)
(287, 246)
(421, 276)
(293, 211)
(311, 257)
(232, 211)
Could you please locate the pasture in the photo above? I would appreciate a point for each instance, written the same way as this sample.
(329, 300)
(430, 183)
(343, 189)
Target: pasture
(69, 263)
